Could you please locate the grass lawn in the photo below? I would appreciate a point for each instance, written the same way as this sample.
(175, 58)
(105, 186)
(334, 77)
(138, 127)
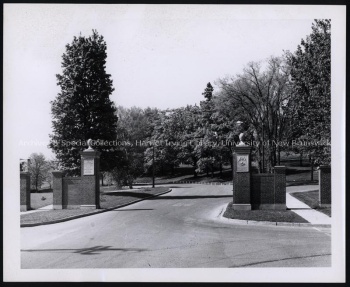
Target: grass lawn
(300, 175)
(264, 215)
(311, 198)
(295, 175)
(41, 199)
(108, 200)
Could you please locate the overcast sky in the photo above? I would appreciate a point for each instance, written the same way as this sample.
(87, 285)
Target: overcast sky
(158, 55)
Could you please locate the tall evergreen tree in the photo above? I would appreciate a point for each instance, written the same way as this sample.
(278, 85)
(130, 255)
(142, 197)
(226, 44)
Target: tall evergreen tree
(206, 152)
(83, 109)
(208, 92)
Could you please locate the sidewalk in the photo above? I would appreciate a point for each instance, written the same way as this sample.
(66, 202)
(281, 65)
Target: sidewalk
(302, 188)
(47, 207)
(300, 208)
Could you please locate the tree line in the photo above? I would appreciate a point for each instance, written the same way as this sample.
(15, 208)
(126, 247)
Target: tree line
(277, 102)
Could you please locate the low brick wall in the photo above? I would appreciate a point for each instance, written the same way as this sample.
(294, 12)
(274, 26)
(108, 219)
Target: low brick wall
(268, 191)
(262, 191)
(72, 192)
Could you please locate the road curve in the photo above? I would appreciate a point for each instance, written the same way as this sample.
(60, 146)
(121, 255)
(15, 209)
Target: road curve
(176, 230)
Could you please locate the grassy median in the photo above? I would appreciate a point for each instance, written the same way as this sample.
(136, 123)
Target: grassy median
(263, 215)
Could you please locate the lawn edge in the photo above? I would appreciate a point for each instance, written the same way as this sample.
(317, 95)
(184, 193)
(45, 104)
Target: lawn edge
(92, 213)
(273, 223)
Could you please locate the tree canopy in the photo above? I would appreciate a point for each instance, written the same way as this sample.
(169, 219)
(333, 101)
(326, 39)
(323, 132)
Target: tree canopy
(257, 97)
(277, 101)
(310, 71)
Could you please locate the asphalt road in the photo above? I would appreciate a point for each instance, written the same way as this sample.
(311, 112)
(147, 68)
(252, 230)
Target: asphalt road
(177, 230)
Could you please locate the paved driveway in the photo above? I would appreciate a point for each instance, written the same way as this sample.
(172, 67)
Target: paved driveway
(178, 229)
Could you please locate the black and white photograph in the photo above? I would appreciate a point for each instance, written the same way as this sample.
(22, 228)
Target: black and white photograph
(174, 143)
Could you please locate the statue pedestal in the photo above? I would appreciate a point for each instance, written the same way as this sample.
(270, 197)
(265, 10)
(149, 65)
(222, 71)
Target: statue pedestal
(241, 178)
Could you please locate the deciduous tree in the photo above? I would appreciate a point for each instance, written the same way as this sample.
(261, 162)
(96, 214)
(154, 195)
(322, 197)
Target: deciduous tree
(258, 97)
(38, 169)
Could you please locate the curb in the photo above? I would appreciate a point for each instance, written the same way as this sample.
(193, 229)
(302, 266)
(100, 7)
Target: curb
(272, 223)
(91, 213)
(253, 222)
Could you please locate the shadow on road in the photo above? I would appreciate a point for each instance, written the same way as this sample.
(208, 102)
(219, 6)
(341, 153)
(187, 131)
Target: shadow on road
(190, 197)
(176, 186)
(86, 251)
(135, 209)
(126, 193)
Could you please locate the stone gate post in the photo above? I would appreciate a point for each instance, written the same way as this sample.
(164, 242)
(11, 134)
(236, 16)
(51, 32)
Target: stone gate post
(241, 178)
(90, 177)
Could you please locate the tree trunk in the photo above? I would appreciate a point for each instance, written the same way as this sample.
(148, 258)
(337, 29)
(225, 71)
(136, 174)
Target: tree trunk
(274, 159)
(278, 155)
(220, 169)
(263, 159)
(212, 170)
(207, 169)
(301, 159)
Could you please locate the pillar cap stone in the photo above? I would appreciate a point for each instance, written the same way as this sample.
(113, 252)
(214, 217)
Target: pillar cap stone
(59, 172)
(242, 148)
(90, 153)
(279, 167)
(324, 167)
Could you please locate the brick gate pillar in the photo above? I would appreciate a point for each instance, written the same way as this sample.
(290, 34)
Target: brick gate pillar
(25, 191)
(90, 178)
(325, 185)
(59, 196)
(241, 178)
(280, 187)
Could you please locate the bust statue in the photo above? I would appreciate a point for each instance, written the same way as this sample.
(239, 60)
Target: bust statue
(89, 142)
(241, 139)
